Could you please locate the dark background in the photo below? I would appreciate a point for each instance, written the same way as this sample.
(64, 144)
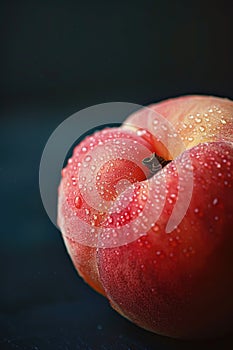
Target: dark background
(58, 57)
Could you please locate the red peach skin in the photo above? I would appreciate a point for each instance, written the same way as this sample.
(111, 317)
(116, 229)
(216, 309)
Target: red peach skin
(178, 284)
(71, 200)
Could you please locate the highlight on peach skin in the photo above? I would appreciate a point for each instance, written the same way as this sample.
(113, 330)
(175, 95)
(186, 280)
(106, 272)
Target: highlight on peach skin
(145, 210)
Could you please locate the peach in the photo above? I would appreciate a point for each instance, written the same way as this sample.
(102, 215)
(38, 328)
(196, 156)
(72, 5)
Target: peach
(158, 245)
(76, 213)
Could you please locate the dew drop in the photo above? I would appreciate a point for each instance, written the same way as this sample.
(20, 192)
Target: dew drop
(188, 167)
(141, 132)
(215, 201)
(202, 128)
(87, 159)
(223, 121)
(155, 228)
(78, 202)
(198, 120)
(84, 149)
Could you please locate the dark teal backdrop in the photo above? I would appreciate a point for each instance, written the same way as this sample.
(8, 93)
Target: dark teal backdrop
(58, 57)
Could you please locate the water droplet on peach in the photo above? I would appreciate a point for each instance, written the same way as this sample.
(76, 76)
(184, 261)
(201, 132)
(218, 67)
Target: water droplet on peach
(87, 159)
(78, 202)
(188, 167)
(141, 132)
(155, 228)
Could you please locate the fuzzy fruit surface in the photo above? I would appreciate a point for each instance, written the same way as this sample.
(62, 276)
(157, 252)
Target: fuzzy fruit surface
(179, 284)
